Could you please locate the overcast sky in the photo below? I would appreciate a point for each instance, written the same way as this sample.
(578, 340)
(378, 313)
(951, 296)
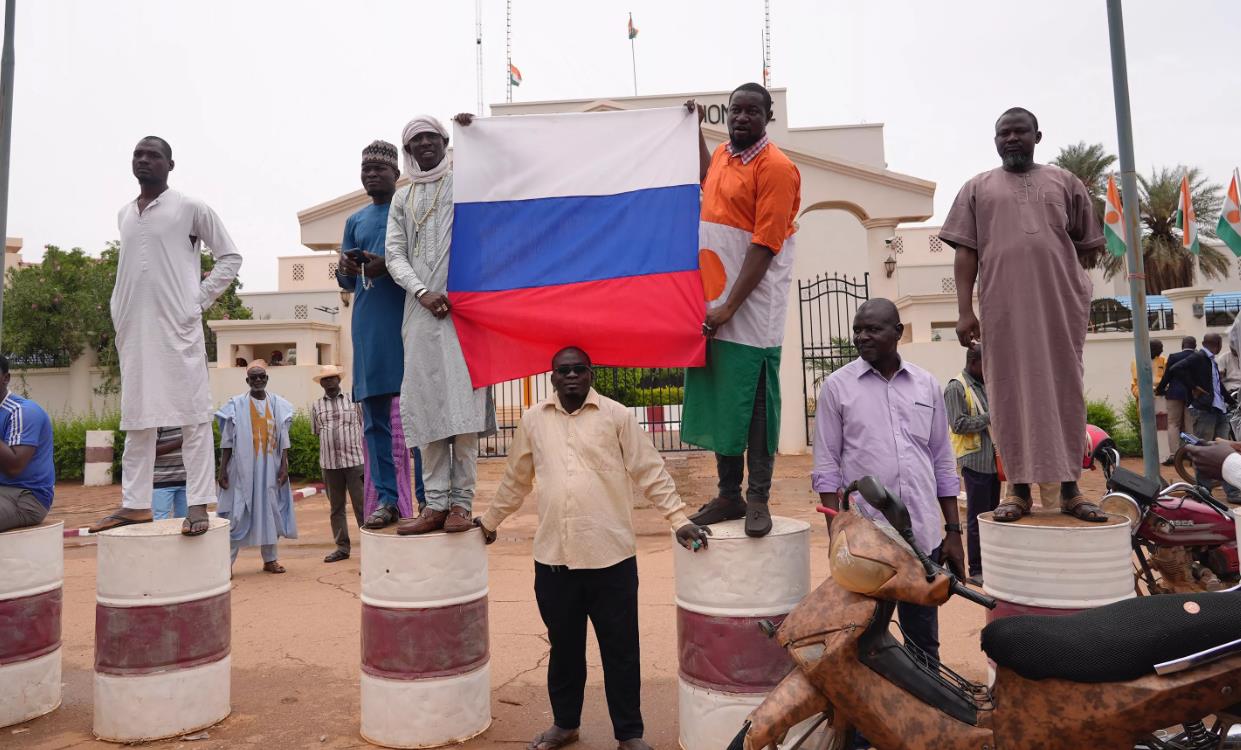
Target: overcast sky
(268, 104)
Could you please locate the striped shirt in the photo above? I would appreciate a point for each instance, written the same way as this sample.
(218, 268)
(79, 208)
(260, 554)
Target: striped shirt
(169, 468)
(962, 422)
(338, 423)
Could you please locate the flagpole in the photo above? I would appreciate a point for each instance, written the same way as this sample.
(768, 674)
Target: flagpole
(6, 137)
(633, 56)
(1133, 239)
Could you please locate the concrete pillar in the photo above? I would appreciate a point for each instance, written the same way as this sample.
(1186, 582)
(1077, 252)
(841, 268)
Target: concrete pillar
(1183, 301)
(99, 456)
(877, 251)
(792, 440)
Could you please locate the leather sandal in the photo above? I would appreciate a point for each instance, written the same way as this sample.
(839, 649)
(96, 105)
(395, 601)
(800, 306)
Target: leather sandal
(1081, 508)
(544, 742)
(273, 567)
(196, 524)
(1011, 509)
(384, 515)
(718, 510)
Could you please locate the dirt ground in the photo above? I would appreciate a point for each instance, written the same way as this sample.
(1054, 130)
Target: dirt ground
(295, 641)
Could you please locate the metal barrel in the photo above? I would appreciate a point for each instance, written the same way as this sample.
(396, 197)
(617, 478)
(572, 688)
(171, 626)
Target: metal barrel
(726, 663)
(426, 675)
(1054, 564)
(32, 571)
(162, 631)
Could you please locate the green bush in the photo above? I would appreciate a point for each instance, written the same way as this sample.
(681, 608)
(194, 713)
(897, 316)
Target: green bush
(1128, 442)
(1133, 418)
(1101, 414)
(665, 396)
(303, 449)
(69, 444)
(619, 383)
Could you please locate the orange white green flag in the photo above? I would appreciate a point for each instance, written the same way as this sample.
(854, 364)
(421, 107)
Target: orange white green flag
(1229, 229)
(1186, 221)
(1114, 220)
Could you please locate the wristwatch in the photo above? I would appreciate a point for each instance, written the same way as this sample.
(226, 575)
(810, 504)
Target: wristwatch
(952, 527)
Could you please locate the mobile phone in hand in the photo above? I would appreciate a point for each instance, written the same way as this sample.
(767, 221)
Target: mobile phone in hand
(1191, 439)
(356, 255)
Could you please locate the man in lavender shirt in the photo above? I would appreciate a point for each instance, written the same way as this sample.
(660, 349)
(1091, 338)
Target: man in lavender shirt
(883, 417)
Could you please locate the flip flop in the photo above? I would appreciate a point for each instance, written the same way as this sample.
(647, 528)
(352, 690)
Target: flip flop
(190, 527)
(118, 522)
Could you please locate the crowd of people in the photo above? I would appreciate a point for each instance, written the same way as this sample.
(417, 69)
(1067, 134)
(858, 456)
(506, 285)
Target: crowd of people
(1021, 234)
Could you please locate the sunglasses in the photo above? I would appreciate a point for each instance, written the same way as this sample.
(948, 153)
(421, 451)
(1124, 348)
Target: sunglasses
(575, 369)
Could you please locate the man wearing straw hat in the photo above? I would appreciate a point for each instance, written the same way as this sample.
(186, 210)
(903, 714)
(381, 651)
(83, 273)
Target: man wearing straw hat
(337, 420)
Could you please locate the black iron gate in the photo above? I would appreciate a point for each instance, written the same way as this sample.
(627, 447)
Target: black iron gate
(826, 308)
(654, 395)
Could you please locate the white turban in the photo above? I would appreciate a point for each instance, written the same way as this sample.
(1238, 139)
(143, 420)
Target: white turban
(423, 124)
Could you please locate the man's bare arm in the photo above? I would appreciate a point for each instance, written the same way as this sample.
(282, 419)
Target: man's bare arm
(13, 460)
(757, 260)
(965, 271)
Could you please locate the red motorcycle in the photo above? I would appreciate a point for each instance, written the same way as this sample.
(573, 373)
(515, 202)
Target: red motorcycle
(1184, 540)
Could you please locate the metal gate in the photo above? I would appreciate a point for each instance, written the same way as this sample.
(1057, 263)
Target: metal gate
(826, 308)
(653, 395)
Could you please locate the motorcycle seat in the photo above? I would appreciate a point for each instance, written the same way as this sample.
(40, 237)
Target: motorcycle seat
(1114, 643)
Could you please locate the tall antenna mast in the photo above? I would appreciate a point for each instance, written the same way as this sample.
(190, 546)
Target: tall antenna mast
(508, 51)
(478, 47)
(766, 43)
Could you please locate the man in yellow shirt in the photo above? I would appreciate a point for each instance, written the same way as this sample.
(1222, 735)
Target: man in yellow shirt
(585, 450)
(1158, 364)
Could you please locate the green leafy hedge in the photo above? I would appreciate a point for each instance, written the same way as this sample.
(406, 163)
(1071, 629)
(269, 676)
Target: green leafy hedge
(69, 446)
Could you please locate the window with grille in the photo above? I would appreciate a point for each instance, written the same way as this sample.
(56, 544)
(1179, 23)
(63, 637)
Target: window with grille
(898, 245)
(937, 246)
(331, 271)
(299, 271)
(948, 284)
(301, 312)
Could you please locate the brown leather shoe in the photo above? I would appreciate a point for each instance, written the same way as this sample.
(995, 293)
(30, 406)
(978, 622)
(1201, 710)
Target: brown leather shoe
(458, 520)
(426, 522)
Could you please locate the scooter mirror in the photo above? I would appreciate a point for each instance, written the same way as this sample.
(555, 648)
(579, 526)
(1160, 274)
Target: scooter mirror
(878, 497)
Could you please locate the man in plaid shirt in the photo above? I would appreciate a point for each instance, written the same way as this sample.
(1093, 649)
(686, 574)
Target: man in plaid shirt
(337, 420)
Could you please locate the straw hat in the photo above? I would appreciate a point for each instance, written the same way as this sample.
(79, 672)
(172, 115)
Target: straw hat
(328, 371)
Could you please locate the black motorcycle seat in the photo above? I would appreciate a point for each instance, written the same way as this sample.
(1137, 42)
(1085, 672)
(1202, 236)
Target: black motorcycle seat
(1117, 642)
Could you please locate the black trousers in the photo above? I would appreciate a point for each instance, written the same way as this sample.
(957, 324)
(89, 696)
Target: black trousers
(609, 598)
(338, 482)
(761, 463)
(982, 494)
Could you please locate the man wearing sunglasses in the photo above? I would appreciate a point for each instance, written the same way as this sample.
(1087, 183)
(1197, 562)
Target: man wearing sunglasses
(585, 450)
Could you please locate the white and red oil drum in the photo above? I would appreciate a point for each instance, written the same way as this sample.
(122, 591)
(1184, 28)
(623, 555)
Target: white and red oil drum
(32, 571)
(726, 663)
(1051, 563)
(162, 631)
(426, 674)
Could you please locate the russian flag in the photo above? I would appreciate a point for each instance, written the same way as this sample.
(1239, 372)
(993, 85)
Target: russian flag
(576, 229)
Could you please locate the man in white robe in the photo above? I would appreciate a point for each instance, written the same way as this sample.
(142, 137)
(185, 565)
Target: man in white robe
(255, 495)
(157, 306)
(441, 411)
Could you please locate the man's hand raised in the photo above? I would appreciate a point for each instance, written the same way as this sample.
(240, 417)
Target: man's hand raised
(464, 119)
(693, 105)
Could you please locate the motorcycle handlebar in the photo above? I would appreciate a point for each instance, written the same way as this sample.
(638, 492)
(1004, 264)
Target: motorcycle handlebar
(960, 589)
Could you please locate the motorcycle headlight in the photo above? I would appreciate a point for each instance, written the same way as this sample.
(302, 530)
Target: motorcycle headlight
(857, 574)
(1121, 504)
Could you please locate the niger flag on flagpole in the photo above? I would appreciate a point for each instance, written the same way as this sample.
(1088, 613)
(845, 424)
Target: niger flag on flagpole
(1229, 228)
(1114, 221)
(633, 30)
(1186, 221)
(514, 75)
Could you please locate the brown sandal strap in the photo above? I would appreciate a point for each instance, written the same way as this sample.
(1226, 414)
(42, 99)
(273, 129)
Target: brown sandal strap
(1082, 509)
(1013, 501)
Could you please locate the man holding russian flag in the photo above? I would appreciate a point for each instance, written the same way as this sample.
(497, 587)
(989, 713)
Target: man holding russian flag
(751, 193)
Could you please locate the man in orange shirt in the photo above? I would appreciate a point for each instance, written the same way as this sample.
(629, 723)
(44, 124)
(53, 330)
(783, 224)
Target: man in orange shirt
(751, 193)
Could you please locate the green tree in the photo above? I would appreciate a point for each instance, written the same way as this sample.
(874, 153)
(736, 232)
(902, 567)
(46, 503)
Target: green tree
(1167, 265)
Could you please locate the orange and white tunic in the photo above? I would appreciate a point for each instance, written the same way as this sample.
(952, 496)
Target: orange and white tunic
(749, 197)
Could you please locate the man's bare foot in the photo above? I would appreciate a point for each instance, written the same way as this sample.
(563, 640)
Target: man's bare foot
(122, 517)
(553, 739)
(196, 521)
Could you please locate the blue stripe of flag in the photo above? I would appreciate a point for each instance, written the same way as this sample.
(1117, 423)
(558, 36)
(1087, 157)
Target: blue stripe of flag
(548, 241)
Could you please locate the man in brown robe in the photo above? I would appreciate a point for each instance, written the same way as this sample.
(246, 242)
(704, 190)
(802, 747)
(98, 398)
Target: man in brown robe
(1025, 231)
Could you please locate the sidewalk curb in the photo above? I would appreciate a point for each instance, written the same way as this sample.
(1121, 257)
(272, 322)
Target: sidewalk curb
(299, 494)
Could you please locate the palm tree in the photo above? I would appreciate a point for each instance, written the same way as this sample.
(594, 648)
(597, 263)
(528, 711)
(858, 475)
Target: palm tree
(1091, 164)
(1167, 265)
